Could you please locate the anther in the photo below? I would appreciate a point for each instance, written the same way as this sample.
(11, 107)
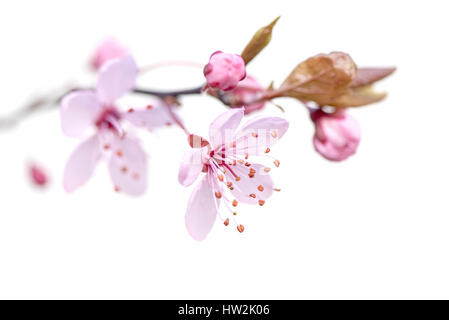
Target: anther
(226, 223)
(234, 213)
(149, 107)
(106, 147)
(246, 157)
(248, 164)
(235, 203)
(274, 134)
(268, 150)
(240, 228)
(252, 195)
(251, 175)
(130, 110)
(229, 184)
(220, 177)
(277, 163)
(260, 188)
(276, 189)
(255, 135)
(237, 178)
(119, 153)
(261, 202)
(218, 194)
(241, 161)
(116, 189)
(266, 169)
(124, 169)
(252, 170)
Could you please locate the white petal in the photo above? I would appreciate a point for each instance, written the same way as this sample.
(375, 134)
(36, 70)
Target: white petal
(79, 110)
(81, 164)
(221, 130)
(258, 134)
(201, 210)
(128, 166)
(116, 77)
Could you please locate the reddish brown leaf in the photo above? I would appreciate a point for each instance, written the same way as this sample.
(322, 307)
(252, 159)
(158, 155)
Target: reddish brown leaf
(258, 42)
(357, 97)
(367, 76)
(321, 78)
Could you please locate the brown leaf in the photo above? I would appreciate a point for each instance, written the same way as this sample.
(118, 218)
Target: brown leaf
(357, 97)
(367, 76)
(259, 41)
(197, 141)
(321, 78)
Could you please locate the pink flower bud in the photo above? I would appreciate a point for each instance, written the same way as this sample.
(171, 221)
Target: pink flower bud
(38, 176)
(248, 90)
(109, 49)
(224, 71)
(337, 135)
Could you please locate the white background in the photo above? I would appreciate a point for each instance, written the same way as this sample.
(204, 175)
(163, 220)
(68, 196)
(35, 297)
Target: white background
(374, 226)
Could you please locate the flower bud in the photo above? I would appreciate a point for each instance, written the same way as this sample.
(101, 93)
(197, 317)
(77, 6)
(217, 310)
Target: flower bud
(109, 49)
(337, 135)
(248, 90)
(38, 175)
(224, 71)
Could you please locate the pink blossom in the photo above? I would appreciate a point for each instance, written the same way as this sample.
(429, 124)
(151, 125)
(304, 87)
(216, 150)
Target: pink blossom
(249, 89)
(231, 178)
(337, 135)
(96, 109)
(224, 71)
(107, 50)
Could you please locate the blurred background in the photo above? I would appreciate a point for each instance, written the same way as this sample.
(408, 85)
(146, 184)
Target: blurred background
(374, 226)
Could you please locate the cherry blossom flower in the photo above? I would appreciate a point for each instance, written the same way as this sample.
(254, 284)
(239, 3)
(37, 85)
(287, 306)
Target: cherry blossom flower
(231, 178)
(107, 50)
(80, 110)
(224, 71)
(249, 89)
(337, 135)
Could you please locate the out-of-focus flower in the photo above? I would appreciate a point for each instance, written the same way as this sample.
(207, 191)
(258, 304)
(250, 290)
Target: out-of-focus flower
(337, 135)
(249, 89)
(107, 50)
(230, 176)
(88, 108)
(224, 71)
(38, 175)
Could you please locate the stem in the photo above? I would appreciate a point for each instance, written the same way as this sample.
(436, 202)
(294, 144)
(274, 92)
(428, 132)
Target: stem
(47, 102)
(174, 93)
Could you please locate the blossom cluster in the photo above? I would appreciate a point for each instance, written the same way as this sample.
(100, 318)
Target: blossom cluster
(235, 160)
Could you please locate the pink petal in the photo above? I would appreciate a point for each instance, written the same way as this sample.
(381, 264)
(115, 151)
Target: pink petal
(116, 77)
(150, 118)
(81, 164)
(261, 185)
(79, 110)
(109, 49)
(223, 127)
(258, 134)
(128, 167)
(201, 210)
(191, 166)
